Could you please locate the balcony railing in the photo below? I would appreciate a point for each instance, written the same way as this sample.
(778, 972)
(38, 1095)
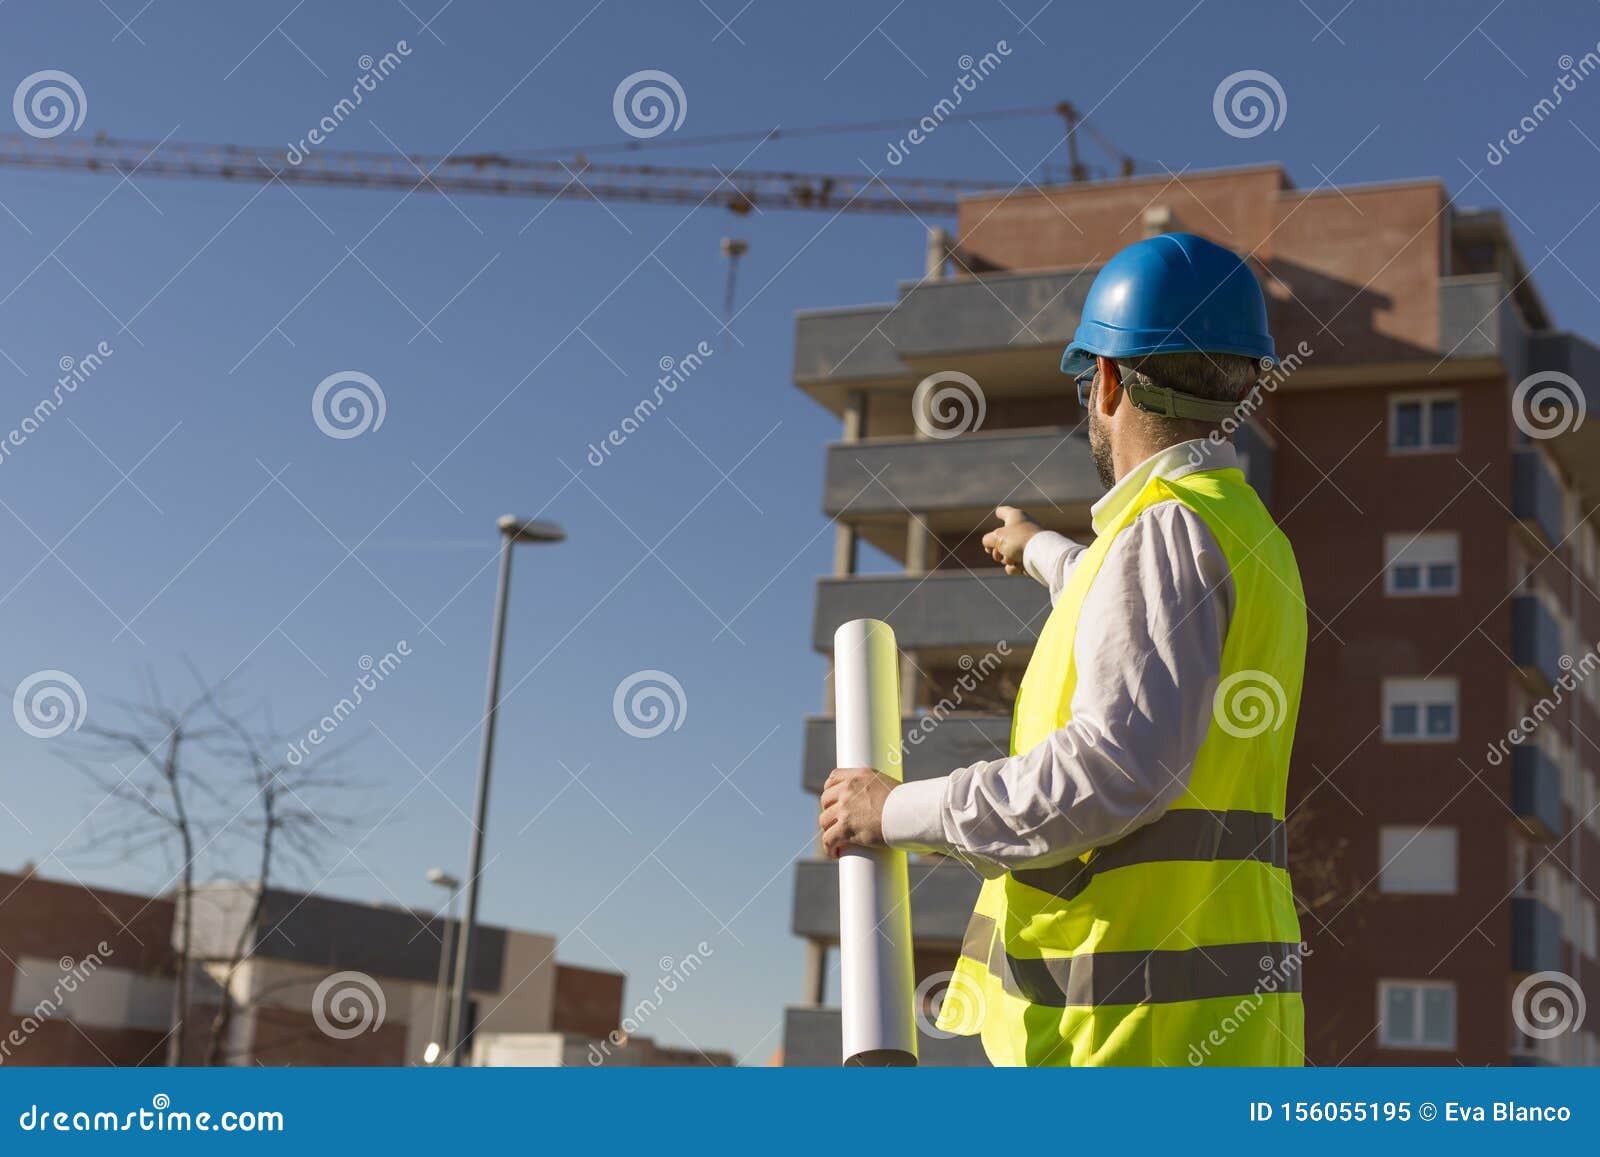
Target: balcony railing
(1039, 468)
(812, 1039)
(1536, 495)
(1535, 936)
(1536, 791)
(942, 895)
(1535, 639)
(956, 740)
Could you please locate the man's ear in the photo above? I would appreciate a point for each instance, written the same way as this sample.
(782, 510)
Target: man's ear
(1110, 382)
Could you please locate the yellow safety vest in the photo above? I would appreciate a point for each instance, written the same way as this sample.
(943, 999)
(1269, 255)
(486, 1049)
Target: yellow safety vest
(1178, 944)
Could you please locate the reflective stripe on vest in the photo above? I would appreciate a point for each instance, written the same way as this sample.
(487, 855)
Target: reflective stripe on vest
(1188, 834)
(1115, 978)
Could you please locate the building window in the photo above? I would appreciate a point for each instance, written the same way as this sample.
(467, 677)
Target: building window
(1422, 564)
(1423, 422)
(1417, 860)
(1419, 710)
(1416, 1014)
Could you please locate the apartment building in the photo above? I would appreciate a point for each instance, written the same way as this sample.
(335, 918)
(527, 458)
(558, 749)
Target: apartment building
(1444, 824)
(87, 978)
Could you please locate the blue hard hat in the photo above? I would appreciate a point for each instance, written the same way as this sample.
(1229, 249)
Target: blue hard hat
(1176, 293)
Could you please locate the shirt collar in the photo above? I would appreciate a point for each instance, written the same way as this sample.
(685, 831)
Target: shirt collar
(1173, 462)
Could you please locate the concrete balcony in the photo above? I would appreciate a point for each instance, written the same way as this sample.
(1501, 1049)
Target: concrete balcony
(955, 611)
(844, 345)
(957, 740)
(1006, 328)
(1032, 468)
(812, 1039)
(1536, 792)
(942, 895)
(1535, 640)
(1536, 495)
(1535, 936)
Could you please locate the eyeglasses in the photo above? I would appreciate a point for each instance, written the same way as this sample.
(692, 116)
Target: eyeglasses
(1085, 382)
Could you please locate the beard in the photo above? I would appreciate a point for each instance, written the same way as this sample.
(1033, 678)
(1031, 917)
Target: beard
(1100, 451)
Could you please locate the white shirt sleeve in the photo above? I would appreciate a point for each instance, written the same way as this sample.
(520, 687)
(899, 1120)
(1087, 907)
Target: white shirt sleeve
(1149, 653)
(1049, 558)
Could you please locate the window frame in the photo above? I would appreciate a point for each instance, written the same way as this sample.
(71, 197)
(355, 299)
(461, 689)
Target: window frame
(1417, 832)
(1388, 690)
(1385, 1041)
(1395, 545)
(1426, 399)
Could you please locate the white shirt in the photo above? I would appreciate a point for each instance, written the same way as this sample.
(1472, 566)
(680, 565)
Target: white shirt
(1149, 654)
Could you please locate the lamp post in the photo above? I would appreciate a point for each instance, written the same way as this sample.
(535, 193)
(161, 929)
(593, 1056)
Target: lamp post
(512, 531)
(441, 992)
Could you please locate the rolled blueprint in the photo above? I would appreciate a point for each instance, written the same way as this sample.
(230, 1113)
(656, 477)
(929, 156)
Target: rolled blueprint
(877, 983)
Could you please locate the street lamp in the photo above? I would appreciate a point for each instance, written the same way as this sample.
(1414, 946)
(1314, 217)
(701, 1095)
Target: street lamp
(441, 993)
(512, 531)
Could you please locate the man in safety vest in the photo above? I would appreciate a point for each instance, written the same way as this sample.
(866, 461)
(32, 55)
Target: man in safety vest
(1137, 907)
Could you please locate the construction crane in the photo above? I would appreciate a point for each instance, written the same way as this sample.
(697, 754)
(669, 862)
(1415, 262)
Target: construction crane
(739, 190)
(1076, 168)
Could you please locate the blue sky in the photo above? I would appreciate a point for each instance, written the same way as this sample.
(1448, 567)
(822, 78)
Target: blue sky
(183, 505)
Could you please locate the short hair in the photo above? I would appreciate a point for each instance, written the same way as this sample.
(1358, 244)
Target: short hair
(1215, 377)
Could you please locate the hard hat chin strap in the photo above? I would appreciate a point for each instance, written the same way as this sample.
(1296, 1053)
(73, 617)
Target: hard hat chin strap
(1170, 403)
